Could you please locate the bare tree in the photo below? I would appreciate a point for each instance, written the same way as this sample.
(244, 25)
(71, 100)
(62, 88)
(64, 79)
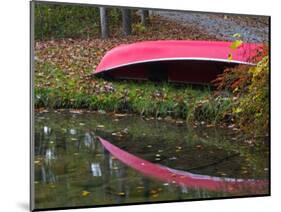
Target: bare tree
(104, 22)
(126, 21)
(144, 17)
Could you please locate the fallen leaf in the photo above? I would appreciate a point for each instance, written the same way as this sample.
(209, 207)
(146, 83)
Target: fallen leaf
(121, 193)
(85, 193)
(235, 44)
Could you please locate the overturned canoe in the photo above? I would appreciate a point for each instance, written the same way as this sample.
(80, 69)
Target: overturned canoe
(185, 178)
(174, 60)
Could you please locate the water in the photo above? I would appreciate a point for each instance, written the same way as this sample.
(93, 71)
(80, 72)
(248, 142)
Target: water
(72, 167)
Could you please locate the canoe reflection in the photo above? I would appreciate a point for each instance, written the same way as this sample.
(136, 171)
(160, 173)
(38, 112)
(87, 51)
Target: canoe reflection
(184, 178)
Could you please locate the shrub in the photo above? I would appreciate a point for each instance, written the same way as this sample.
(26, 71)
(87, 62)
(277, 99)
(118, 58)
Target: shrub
(252, 112)
(250, 86)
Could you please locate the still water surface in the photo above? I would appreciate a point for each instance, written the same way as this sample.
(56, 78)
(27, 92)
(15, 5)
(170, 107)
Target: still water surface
(72, 168)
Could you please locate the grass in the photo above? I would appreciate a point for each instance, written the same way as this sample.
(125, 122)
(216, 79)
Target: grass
(54, 89)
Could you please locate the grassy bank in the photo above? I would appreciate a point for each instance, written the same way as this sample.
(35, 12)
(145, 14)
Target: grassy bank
(54, 89)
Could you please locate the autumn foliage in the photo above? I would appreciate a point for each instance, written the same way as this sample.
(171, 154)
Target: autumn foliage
(250, 87)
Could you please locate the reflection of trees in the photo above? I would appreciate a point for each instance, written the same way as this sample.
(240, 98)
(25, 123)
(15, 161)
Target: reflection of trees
(47, 175)
(146, 190)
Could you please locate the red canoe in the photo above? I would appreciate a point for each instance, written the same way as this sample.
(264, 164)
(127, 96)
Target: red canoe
(184, 178)
(174, 60)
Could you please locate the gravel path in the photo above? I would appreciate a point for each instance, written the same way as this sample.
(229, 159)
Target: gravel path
(252, 29)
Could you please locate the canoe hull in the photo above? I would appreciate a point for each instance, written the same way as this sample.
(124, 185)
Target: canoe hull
(174, 60)
(193, 72)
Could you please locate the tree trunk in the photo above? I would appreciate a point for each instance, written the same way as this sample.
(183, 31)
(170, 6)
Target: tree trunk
(104, 22)
(126, 21)
(144, 17)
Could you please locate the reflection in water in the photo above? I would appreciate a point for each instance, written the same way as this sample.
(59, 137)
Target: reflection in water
(50, 155)
(72, 131)
(182, 177)
(47, 130)
(72, 168)
(96, 170)
(88, 140)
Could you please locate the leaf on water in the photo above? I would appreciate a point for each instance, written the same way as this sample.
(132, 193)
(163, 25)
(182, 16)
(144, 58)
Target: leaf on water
(121, 193)
(74, 139)
(120, 114)
(52, 186)
(157, 159)
(100, 126)
(81, 124)
(179, 122)
(235, 44)
(153, 191)
(157, 155)
(199, 146)
(85, 193)
(223, 174)
(149, 146)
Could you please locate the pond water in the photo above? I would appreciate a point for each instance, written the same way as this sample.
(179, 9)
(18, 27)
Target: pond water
(73, 168)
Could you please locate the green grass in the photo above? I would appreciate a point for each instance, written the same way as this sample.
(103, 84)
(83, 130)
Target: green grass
(55, 89)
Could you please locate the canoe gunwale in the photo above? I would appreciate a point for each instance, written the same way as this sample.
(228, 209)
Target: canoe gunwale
(227, 61)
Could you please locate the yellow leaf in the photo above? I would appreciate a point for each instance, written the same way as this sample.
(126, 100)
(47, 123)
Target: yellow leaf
(238, 110)
(153, 191)
(236, 35)
(52, 186)
(85, 193)
(235, 44)
(155, 195)
(229, 56)
(140, 187)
